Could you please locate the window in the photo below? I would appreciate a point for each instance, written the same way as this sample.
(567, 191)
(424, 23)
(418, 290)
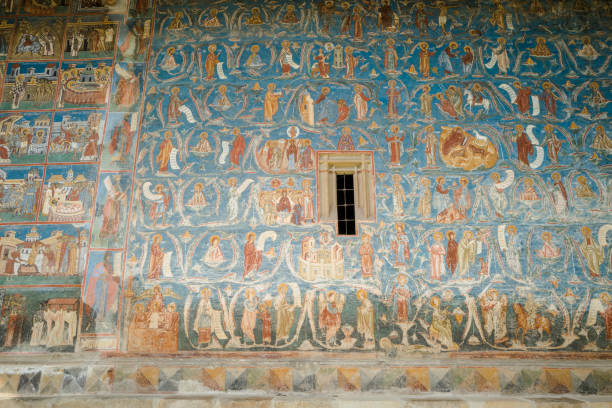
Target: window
(345, 204)
(345, 189)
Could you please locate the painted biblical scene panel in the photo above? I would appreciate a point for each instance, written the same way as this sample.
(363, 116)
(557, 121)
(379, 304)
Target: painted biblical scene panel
(52, 253)
(39, 319)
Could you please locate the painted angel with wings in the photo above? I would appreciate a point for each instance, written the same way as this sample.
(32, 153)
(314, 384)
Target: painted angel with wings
(209, 321)
(160, 202)
(330, 314)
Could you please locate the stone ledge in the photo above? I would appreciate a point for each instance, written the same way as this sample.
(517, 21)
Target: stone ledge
(328, 401)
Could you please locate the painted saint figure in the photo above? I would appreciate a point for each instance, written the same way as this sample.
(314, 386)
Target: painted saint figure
(210, 64)
(452, 257)
(238, 147)
(436, 255)
(345, 142)
(592, 252)
(395, 145)
(156, 255)
(366, 251)
(394, 96)
(252, 256)
(360, 101)
(284, 314)
(548, 250)
(524, 146)
(271, 102)
(466, 254)
(213, 255)
(102, 289)
(365, 318)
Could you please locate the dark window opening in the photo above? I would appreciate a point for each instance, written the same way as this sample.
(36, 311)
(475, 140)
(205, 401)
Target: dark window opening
(345, 198)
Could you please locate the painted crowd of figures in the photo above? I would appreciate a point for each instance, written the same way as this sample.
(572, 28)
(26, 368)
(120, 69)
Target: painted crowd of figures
(176, 163)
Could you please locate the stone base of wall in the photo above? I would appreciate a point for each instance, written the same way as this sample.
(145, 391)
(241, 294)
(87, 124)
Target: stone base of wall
(364, 401)
(287, 383)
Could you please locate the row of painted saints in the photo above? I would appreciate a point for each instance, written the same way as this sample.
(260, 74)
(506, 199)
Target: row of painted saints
(552, 151)
(278, 318)
(521, 255)
(322, 107)
(421, 61)
(358, 21)
(486, 197)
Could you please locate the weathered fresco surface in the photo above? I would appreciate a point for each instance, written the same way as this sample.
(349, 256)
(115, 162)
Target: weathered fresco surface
(163, 173)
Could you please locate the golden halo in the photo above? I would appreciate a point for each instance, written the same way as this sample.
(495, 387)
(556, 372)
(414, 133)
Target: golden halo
(362, 294)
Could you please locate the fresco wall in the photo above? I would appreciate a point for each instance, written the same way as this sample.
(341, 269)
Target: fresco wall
(161, 177)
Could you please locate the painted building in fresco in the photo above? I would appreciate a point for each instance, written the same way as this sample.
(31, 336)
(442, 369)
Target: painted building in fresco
(367, 177)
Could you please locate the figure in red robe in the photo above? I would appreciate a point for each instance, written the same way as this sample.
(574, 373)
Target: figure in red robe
(283, 203)
(420, 19)
(524, 146)
(306, 161)
(351, 63)
(395, 145)
(173, 107)
(522, 98)
(424, 65)
(122, 133)
(452, 248)
(366, 251)
(165, 148)
(322, 65)
(91, 148)
(550, 100)
(330, 317)
(238, 147)
(128, 89)
(357, 24)
(446, 106)
(345, 142)
(252, 257)
(111, 212)
(266, 323)
(343, 111)
(157, 258)
(401, 294)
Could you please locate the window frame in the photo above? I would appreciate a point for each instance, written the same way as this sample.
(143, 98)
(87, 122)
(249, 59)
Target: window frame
(345, 205)
(360, 164)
